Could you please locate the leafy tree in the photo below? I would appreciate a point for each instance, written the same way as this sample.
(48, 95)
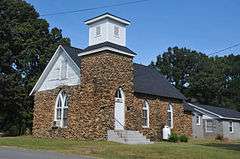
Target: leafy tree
(178, 64)
(210, 80)
(26, 45)
(217, 82)
(207, 83)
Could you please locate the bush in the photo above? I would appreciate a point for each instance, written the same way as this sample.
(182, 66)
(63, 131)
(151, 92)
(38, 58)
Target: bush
(183, 138)
(219, 137)
(173, 138)
(12, 131)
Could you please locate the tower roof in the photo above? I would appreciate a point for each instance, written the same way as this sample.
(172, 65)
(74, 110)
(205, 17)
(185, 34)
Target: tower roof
(107, 16)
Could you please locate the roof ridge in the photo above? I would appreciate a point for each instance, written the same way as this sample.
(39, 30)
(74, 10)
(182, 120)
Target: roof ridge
(223, 108)
(227, 113)
(65, 45)
(140, 64)
(107, 13)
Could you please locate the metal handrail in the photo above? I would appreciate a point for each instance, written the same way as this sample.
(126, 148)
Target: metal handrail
(120, 123)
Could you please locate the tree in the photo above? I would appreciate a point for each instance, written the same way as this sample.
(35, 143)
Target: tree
(177, 64)
(210, 80)
(217, 82)
(26, 45)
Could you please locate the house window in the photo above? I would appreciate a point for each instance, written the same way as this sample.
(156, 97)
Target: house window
(145, 114)
(61, 110)
(170, 116)
(63, 69)
(116, 31)
(231, 127)
(209, 126)
(198, 120)
(98, 31)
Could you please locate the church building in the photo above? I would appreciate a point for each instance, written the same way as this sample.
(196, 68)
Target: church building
(98, 92)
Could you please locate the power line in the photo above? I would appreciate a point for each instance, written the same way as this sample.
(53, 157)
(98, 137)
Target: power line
(229, 47)
(94, 8)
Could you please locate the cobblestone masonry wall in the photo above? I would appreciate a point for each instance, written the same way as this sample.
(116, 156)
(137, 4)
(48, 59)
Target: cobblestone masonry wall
(91, 104)
(182, 121)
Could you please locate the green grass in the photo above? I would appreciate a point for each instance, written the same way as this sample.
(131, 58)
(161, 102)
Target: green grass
(103, 149)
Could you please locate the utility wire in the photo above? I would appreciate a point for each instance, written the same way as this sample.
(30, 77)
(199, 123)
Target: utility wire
(94, 8)
(229, 47)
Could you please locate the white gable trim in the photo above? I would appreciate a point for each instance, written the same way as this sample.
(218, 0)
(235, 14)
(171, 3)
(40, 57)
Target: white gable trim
(105, 48)
(48, 68)
(222, 117)
(205, 110)
(205, 115)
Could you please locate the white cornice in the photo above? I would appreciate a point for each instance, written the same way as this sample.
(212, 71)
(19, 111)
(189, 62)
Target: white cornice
(210, 112)
(107, 16)
(103, 49)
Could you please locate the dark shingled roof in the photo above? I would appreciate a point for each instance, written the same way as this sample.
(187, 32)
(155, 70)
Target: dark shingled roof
(187, 107)
(73, 53)
(224, 112)
(148, 80)
(109, 44)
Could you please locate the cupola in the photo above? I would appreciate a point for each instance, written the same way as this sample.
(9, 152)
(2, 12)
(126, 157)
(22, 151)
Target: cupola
(107, 28)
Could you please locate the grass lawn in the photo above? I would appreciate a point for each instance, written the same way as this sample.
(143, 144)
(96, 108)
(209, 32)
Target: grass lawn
(104, 149)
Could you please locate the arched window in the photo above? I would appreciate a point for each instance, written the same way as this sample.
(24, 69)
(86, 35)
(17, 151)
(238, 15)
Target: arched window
(145, 114)
(119, 95)
(61, 110)
(170, 115)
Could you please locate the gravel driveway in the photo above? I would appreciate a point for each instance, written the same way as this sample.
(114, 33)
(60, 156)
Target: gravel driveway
(15, 153)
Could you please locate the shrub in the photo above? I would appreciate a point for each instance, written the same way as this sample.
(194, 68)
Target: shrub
(183, 138)
(12, 131)
(173, 138)
(219, 137)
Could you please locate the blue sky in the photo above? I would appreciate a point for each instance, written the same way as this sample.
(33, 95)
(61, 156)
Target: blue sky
(203, 25)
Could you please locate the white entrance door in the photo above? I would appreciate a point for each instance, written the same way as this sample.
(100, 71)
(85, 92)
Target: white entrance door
(119, 113)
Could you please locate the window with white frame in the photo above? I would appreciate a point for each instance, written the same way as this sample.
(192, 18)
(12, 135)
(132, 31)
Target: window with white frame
(116, 31)
(170, 116)
(118, 93)
(198, 119)
(61, 110)
(209, 125)
(231, 126)
(98, 30)
(145, 114)
(118, 96)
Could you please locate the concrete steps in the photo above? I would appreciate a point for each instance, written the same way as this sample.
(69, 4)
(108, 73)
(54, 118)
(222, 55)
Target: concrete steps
(127, 137)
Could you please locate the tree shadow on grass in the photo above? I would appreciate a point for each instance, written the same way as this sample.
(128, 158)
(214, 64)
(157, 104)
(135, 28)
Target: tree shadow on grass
(228, 146)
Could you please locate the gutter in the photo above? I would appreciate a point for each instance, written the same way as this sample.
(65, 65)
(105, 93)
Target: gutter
(221, 117)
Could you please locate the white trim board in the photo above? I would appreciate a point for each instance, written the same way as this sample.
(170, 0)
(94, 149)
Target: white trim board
(49, 66)
(221, 117)
(88, 22)
(103, 49)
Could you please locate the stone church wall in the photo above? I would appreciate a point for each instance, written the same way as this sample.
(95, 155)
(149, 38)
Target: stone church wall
(91, 104)
(182, 120)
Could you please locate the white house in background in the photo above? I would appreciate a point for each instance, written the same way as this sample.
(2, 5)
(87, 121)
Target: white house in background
(211, 122)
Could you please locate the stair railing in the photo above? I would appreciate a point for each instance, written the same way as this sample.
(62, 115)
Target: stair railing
(120, 123)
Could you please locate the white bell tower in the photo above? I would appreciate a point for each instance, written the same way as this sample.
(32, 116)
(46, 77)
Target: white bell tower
(107, 28)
